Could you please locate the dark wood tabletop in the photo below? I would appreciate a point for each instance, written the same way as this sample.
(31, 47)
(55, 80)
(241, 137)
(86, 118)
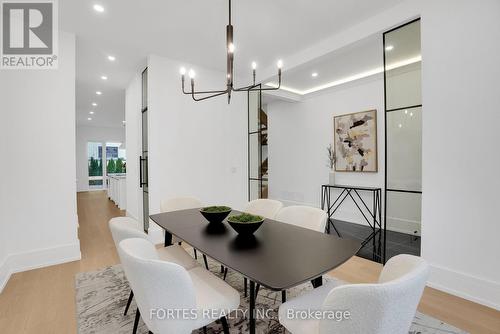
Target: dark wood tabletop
(279, 256)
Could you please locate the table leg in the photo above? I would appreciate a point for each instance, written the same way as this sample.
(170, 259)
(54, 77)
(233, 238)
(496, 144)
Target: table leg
(168, 239)
(251, 315)
(317, 282)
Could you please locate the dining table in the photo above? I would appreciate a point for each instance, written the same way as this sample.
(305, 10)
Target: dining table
(278, 256)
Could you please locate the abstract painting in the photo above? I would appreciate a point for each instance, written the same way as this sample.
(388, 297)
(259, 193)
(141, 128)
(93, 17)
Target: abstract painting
(355, 141)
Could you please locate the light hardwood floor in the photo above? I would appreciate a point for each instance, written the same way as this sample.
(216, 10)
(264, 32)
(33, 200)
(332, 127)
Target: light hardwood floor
(43, 300)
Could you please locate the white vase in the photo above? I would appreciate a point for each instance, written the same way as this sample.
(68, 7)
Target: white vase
(331, 180)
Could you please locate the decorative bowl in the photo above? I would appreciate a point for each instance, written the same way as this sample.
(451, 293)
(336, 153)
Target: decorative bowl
(215, 214)
(245, 224)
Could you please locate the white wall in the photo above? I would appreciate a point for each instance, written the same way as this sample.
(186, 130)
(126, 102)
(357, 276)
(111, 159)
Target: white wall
(38, 221)
(299, 133)
(85, 134)
(133, 139)
(195, 148)
(461, 98)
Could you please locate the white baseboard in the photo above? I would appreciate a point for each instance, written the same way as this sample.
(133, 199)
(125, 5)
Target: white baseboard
(39, 258)
(475, 289)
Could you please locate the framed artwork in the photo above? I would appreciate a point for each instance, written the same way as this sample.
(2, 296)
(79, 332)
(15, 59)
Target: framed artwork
(355, 142)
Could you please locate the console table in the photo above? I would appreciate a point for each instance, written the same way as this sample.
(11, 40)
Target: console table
(373, 215)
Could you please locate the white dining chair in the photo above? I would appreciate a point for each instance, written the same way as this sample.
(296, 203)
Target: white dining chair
(303, 216)
(125, 227)
(267, 208)
(180, 203)
(161, 286)
(183, 203)
(388, 306)
(264, 207)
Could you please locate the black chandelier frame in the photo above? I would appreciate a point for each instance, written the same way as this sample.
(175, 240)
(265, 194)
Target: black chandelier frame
(207, 94)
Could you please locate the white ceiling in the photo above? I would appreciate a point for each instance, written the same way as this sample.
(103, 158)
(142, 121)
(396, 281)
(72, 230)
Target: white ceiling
(361, 59)
(194, 31)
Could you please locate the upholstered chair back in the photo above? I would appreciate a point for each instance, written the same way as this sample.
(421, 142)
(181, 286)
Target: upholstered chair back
(303, 216)
(124, 228)
(386, 307)
(267, 208)
(158, 287)
(180, 203)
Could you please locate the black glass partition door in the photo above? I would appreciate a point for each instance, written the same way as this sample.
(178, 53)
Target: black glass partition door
(143, 159)
(403, 133)
(257, 147)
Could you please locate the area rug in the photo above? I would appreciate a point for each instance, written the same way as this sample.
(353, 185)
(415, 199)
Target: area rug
(101, 297)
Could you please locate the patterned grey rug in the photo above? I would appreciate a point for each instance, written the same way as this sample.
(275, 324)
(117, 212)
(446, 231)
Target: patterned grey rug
(101, 297)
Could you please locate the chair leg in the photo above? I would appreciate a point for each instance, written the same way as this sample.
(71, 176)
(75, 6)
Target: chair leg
(130, 297)
(136, 321)
(245, 282)
(283, 296)
(225, 273)
(257, 290)
(195, 254)
(206, 261)
(221, 269)
(180, 243)
(225, 326)
(204, 329)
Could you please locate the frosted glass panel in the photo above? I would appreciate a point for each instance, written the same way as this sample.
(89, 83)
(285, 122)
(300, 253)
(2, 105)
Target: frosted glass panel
(403, 67)
(404, 149)
(254, 189)
(404, 212)
(253, 111)
(254, 161)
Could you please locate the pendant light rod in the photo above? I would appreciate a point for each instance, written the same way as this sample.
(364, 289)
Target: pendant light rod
(230, 48)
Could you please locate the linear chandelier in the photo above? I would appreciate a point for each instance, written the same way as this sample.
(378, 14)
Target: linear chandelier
(204, 95)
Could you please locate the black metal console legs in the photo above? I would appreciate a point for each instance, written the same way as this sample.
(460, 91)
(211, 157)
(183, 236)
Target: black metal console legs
(372, 216)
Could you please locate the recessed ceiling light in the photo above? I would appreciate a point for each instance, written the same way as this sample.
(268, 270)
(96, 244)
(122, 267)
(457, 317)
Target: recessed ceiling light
(90, 118)
(400, 125)
(103, 77)
(94, 104)
(111, 58)
(389, 47)
(411, 114)
(406, 111)
(91, 112)
(314, 74)
(98, 93)
(98, 8)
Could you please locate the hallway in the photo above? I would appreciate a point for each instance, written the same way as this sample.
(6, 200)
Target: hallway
(43, 300)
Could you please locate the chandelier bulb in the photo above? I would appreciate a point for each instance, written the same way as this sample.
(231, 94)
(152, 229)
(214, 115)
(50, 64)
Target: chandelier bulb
(192, 74)
(231, 48)
(254, 65)
(280, 63)
(182, 71)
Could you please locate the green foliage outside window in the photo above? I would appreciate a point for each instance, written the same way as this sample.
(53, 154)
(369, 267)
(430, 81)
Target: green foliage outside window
(115, 166)
(95, 167)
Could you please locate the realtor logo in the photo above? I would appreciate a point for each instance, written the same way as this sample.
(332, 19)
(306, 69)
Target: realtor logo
(29, 34)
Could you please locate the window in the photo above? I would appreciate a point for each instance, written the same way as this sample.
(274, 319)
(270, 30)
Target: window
(116, 162)
(94, 155)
